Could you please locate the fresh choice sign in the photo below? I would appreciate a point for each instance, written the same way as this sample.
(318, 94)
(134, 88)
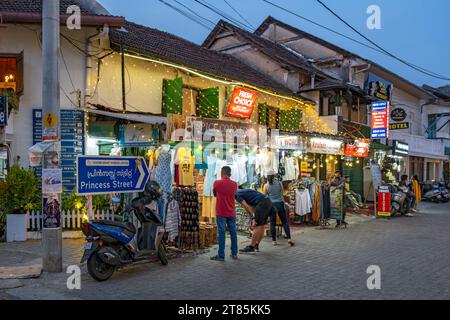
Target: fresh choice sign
(242, 103)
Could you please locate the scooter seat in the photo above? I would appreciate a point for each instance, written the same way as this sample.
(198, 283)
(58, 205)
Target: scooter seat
(127, 225)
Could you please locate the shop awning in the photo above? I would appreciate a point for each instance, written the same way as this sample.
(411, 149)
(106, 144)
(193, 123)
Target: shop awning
(130, 116)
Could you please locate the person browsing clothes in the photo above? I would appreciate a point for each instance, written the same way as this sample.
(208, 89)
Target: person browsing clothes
(225, 192)
(274, 190)
(259, 207)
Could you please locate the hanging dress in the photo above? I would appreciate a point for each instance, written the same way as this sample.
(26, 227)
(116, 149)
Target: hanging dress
(163, 173)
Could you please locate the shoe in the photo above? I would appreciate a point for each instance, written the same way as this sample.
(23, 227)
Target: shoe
(291, 243)
(274, 243)
(413, 210)
(217, 258)
(257, 247)
(409, 215)
(248, 249)
(234, 257)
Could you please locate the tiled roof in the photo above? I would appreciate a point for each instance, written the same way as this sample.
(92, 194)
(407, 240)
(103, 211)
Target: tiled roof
(168, 47)
(35, 6)
(276, 51)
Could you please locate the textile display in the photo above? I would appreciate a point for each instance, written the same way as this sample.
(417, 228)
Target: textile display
(187, 199)
(172, 220)
(337, 203)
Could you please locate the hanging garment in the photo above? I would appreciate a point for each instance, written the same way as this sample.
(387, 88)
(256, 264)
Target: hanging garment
(234, 169)
(417, 191)
(172, 220)
(163, 173)
(186, 162)
(211, 176)
(208, 207)
(251, 173)
(241, 163)
(291, 172)
(303, 203)
(316, 210)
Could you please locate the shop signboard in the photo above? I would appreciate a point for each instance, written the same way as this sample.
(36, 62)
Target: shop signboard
(400, 148)
(3, 111)
(359, 149)
(398, 114)
(378, 87)
(242, 103)
(106, 175)
(399, 126)
(325, 146)
(290, 143)
(380, 116)
(137, 135)
(383, 201)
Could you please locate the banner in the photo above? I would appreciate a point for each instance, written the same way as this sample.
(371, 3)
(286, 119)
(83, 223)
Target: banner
(380, 120)
(384, 202)
(360, 149)
(242, 103)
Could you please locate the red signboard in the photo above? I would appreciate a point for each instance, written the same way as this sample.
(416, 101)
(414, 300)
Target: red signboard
(380, 120)
(242, 103)
(384, 203)
(360, 149)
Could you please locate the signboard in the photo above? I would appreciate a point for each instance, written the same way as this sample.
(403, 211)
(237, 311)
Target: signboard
(399, 126)
(360, 149)
(52, 180)
(337, 203)
(105, 175)
(326, 146)
(72, 142)
(137, 135)
(290, 142)
(400, 148)
(3, 111)
(383, 201)
(380, 116)
(378, 87)
(398, 114)
(242, 103)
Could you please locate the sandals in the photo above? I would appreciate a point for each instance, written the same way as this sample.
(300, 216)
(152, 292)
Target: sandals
(291, 243)
(274, 243)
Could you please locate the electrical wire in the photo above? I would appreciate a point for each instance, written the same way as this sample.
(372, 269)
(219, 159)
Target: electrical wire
(417, 68)
(185, 14)
(241, 16)
(196, 14)
(222, 14)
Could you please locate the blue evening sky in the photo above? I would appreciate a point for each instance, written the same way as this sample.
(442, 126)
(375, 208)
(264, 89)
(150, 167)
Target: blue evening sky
(415, 30)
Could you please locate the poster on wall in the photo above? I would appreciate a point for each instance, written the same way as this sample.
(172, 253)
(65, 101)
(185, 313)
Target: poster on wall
(378, 87)
(380, 120)
(242, 103)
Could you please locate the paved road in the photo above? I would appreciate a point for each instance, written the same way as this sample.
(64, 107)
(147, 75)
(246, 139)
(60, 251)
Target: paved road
(413, 254)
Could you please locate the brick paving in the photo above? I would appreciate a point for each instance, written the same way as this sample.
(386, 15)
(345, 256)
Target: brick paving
(412, 253)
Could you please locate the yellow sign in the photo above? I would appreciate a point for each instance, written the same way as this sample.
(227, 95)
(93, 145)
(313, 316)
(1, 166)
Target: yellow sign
(49, 120)
(304, 166)
(399, 126)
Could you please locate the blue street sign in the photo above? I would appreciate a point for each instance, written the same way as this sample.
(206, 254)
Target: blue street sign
(104, 175)
(3, 111)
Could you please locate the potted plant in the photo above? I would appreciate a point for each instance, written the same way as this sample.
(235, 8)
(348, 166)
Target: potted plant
(20, 193)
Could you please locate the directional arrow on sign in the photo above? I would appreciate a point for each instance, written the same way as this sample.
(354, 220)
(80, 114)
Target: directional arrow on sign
(105, 175)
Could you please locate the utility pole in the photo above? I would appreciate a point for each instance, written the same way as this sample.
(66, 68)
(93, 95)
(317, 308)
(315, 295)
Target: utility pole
(51, 164)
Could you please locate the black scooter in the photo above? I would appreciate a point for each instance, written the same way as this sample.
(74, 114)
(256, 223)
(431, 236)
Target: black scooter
(113, 244)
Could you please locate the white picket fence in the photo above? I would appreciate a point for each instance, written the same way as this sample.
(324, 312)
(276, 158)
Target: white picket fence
(71, 220)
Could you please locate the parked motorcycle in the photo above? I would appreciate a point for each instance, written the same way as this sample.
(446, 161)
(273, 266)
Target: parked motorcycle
(433, 193)
(399, 203)
(112, 244)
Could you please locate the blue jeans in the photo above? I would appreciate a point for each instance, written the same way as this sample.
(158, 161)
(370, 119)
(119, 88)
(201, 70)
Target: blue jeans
(222, 223)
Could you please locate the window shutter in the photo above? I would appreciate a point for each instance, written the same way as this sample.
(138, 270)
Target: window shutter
(19, 68)
(208, 103)
(172, 96)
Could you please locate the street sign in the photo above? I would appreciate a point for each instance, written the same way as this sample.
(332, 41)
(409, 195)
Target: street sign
(105, 175)
(3, 111)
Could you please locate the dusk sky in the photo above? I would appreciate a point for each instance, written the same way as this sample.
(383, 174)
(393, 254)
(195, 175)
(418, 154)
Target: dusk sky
(417, 31)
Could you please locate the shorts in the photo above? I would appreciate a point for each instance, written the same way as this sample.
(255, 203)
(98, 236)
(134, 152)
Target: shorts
(262, 212)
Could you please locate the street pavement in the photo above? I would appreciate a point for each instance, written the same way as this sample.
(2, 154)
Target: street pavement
(412, 253)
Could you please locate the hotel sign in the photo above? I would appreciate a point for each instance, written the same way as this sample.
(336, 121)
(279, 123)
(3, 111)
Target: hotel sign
(380, 120)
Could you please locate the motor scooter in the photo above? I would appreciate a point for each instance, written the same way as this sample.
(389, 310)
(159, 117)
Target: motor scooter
(399, 203)
(433, 193)
(112, 244)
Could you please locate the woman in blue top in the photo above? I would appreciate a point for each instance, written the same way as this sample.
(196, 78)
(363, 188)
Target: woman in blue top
(274, 190)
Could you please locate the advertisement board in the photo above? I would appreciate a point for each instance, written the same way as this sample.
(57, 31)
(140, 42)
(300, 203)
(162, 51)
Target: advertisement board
(384, 201)
(242, 103)
(380, 120)
(359, 149)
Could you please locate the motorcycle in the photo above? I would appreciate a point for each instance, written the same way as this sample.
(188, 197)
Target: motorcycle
(445, 194)
(399, 203)
(433, 193)
(111, 244)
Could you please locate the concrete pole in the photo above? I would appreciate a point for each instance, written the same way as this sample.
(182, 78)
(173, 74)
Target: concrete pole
(51, 234)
